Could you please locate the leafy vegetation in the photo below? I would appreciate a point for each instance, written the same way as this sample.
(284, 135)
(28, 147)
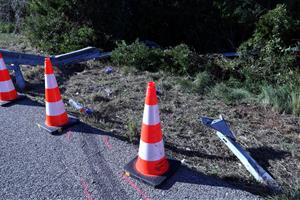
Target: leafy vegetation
(49, 27)
(265, 71)
(207, 26)
(6, 27)
(138, 55)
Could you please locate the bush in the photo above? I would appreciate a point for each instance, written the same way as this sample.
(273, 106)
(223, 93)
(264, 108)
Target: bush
(201, 83)
(137, 55)
(231, 95)
(173, 60)
(177, 59)
(296, 103)
(263, 56)
(49, 27)
(285, 98)
(6, 27)
(77, 38)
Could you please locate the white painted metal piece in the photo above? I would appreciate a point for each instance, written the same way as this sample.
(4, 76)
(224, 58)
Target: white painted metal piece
(251, 165)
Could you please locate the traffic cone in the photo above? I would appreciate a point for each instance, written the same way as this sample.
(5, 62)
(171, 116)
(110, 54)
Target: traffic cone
(8, 93)
(57, 118)
(151, 165)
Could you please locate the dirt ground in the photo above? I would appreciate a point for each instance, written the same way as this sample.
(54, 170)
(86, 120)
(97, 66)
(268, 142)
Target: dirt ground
(117, 100)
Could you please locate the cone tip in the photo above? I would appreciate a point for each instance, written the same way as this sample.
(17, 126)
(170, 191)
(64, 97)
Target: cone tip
(48, 66)
(47, 60)
(151, 98)
(151, 84)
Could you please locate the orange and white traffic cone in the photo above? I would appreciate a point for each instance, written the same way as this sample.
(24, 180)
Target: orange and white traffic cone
(56, 116)
(151, 164)
(8, 93)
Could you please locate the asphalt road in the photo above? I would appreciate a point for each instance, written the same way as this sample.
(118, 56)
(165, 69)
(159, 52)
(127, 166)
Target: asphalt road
(83, 163)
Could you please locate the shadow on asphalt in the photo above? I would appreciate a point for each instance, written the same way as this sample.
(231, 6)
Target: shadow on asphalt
(25, 102)
(190, 176)
(87, 129)
(185, 174)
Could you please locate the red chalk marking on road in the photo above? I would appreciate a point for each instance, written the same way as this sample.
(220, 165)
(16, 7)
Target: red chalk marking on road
(85, 188)
(106, 142)
(135, 187)
(69, 136)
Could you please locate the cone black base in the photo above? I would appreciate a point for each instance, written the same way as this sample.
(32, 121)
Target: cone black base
(59, 130)
(154, 181)
(8, 103)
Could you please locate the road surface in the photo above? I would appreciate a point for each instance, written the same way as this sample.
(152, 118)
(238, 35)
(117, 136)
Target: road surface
(83, 163)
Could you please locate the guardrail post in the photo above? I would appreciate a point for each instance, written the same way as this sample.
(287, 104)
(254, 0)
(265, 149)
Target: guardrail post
(19, 77)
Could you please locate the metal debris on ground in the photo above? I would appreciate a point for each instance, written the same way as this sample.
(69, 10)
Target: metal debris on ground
(158, 91)
(108, 70)
(80, 107)
(108, 91)
(226, 135)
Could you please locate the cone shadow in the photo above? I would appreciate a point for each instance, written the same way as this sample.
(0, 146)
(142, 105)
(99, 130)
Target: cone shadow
(189, 176)
(21, 100)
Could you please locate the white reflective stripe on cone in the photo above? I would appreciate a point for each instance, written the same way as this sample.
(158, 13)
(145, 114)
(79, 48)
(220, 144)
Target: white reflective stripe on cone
(151, 152)
(6, 86)
(50, 81)
(2, 64)
(151, 115)
(55, 108)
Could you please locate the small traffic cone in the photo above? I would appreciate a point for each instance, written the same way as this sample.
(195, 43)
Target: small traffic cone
(8, 93)
(151, 164)
(57, 118)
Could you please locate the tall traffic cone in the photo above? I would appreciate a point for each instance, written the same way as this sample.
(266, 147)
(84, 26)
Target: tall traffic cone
(8, 93)
(57, 118)
(151, 164)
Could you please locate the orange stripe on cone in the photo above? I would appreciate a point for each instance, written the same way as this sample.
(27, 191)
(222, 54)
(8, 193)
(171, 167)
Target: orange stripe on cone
(7, 89)
(56, 114)
(151, 157)
(58, 120)
(152, 168)
(151, 134)
(8, 96)
(52, 95)
(4, 75)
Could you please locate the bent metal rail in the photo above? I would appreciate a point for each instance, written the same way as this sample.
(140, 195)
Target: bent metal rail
(15, 59)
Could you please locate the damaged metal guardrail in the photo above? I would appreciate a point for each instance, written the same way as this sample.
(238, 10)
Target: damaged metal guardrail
(15, 59)
(227, 136)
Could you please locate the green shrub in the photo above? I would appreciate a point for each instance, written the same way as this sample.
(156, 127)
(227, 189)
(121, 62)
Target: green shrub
(173, 60)
(200, 84)
(231, 95)
(177, 59)
(49, 27)
(6, 27)
(263, 56)
(77, 38)
(185, 84)
(285, 98)
(234, 83)
(133, 131)
(137, 55)
(296, 103)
